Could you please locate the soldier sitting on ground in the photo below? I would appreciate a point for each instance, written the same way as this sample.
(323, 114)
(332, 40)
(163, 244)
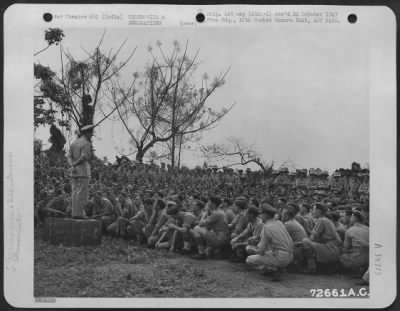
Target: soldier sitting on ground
(126, 211)
(275, 249)
(356, 245)
(182, 228)
(158, 220)
(101, 208)
(138, 222)
(212, 233)
(250, 233)
(59, 206)
(239, 223)
(324, 244)
(296, 232)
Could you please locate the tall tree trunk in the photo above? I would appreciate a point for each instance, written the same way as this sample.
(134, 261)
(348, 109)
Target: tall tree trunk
(173, 151)
(180, 151)
(139, 155)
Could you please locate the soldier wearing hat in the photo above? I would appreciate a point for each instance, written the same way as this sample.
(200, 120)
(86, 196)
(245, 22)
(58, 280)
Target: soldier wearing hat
(249, 236)
(313, 181)
(282, 180)
(291, 181)
(323, 245)
(301, 179)
(275, 249)
(356, 244)
(323, 182)
(336, 183)
(78, 157)
(363, 190)
(354, 184)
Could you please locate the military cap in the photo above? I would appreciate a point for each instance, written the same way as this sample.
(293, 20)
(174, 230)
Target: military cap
(253, 210)
(267, 209)
(321, 206)
(293, 206)
(241, 199)
(172, 208)
(241, 202)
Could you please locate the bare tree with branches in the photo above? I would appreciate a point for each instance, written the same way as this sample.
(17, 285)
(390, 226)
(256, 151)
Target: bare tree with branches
(164, 103)
(236, 149)
(82, 85)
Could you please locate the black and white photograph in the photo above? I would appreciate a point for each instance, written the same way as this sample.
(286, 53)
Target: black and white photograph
(227, 153)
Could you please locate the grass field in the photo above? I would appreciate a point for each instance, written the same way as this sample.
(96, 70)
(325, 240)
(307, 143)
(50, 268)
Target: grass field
(118, 268)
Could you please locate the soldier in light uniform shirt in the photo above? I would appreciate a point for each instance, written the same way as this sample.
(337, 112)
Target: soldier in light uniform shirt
(301, 180)
(138, 222)
(354, 184)
(78, 157)
(296, 232)
(239, 223)
(102, 209)
(356, 244)
(363, 190)
(248, 235)
(212, 233)
(324, 244)
(323, 183)
(275, 249)
(182, 228)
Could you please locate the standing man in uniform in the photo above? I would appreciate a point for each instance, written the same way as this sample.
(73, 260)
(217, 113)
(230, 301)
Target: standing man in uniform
(78, 158)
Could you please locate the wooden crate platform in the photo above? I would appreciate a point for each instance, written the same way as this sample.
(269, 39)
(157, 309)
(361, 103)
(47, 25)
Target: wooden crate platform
(72, 232)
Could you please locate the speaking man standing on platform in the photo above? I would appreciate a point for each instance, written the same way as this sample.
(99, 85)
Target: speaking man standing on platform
(78, 158)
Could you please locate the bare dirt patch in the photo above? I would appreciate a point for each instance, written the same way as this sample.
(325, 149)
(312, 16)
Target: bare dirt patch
(118, 268)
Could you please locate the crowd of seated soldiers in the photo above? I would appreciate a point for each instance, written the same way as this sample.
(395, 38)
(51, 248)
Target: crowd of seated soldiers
(302, 221)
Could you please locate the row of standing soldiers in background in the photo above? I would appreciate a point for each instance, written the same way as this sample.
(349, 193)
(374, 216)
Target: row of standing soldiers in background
(341, 185)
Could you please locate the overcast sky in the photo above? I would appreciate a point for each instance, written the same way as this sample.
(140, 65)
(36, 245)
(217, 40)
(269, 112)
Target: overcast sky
(301, 96)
